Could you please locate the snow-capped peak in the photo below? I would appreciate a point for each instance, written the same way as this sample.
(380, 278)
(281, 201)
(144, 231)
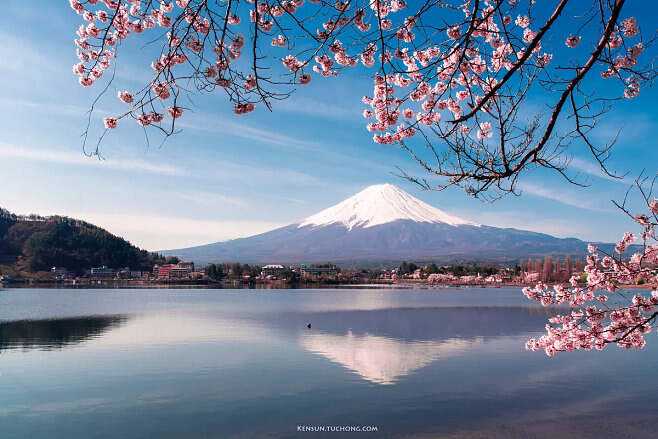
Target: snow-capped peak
(381, 204)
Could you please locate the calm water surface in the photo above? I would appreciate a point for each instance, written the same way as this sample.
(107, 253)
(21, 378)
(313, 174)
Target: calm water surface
(242, 364)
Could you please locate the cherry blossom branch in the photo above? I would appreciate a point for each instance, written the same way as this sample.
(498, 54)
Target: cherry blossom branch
(603, 314)
(453, 80)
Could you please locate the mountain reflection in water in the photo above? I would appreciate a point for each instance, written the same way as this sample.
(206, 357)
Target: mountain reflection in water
(418, 364)
(381, 360)
(381, 346)
(50, 334)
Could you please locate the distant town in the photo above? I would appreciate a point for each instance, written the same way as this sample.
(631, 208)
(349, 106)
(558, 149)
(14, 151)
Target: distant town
(59, 251)
(175, 272)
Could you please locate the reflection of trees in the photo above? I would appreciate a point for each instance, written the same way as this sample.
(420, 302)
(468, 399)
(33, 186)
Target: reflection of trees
(55, 333)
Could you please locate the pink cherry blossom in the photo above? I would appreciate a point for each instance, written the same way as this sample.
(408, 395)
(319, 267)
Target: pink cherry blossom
(485, 131)
(629, 27)
(523, 21)
(449, 80)
(175, 112)
(593, 322)
(250, 83)
(653, 206)
(126, 97)
(144, 120)
(279, 41)
(572, 41)
(292, 63)
(110, 122)
(79, 69)
(632, 89)
(161, 90)
(86, 81)
(453, 32)
(156, 117)
(244, 108)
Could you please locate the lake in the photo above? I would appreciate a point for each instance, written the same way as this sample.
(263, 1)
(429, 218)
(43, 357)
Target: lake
(427, 363)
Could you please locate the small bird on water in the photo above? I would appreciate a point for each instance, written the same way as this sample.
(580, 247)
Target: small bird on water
(308, 326)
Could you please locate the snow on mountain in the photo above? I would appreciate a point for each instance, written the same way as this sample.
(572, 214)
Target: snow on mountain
(381, 204)
(383, 223)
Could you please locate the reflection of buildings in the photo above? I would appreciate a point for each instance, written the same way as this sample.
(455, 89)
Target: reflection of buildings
(378, 359)
(55, 333)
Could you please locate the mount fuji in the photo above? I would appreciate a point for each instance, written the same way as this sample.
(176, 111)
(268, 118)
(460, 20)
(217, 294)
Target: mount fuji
(383, 223)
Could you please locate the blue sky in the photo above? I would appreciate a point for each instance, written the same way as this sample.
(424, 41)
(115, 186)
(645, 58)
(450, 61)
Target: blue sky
(227, 176)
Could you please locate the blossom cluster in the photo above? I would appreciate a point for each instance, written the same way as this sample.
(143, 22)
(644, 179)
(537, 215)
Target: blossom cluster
(111, 22)
(446, 82)
(450, 85)
(603, 313)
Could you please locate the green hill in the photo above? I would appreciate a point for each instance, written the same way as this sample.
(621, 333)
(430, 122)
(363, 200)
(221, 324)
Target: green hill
(34, 243)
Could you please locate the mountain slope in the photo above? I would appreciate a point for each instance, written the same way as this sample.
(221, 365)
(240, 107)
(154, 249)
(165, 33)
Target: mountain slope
(38, 243)
(383, 223)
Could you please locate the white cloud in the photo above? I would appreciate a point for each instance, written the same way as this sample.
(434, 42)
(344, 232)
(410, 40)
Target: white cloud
(593, 169)
(20, 57)
(46, 107)
(159, 233)
(630, 127)
(553, 193)
(207, 199)
(539, 222)
(229, 128)
(8, 151)
(320, 108)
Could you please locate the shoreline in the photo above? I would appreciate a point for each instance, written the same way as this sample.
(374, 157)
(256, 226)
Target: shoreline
(148, 285)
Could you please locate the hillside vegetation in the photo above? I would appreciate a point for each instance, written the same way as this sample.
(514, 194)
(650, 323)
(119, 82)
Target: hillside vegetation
(34, 243)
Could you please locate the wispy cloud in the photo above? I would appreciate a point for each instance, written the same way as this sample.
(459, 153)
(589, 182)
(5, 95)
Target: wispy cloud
(640, 127)
(206, 199)
(224, 171)
(539, 222)
(320, 109)
(8, 151)
(549, 192)
(20, 57)
(592, 169)
(156, 232)
(256, 175)
(221, 125)
(48, 107)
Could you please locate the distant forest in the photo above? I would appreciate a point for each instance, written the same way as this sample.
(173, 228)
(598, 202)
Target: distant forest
(35, 243)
